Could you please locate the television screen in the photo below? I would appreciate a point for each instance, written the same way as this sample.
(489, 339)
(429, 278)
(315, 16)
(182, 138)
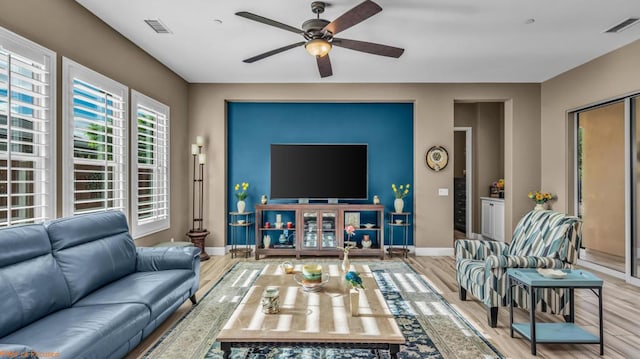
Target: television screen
(311, 171)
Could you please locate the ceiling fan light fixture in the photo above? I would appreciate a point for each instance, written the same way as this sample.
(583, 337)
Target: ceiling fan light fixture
(318, 47)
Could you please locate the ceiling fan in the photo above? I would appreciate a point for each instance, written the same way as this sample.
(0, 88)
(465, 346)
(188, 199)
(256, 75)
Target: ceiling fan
(319, 35)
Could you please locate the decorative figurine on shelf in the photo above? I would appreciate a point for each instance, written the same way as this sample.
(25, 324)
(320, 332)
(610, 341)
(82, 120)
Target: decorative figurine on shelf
(263, 199)
(366, 241)
(376, 199)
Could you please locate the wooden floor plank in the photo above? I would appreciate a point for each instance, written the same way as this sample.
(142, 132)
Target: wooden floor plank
(621, 312)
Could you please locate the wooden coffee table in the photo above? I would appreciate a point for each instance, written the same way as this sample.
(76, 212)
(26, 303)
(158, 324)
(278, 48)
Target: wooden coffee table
(319, 319)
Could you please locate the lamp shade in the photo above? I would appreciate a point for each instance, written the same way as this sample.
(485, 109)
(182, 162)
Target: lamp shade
(318, 47)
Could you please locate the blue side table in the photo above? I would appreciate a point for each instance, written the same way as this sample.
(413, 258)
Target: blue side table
(559, 333)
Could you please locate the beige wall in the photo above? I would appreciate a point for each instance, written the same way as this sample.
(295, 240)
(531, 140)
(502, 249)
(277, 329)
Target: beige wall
(433, 124)
(603, 174)
(487, 122)
(607, 77)
(68, 29)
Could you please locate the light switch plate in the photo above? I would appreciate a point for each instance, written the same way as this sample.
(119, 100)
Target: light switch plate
(443, 191)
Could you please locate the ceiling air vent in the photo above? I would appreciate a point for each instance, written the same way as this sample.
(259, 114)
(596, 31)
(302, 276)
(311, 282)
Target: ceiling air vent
(158, 26)
(623, 25)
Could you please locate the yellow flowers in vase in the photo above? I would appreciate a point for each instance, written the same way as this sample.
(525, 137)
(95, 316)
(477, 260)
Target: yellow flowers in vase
(400, 192)
(540, 198)
(241, 194)
(241, 190)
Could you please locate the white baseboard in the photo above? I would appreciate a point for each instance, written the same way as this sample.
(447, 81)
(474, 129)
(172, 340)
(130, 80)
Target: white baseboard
(216, 251)
(601, 269)
(434, 252)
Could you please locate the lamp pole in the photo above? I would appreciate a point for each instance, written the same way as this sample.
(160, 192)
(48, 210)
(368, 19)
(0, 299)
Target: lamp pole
(197, 234)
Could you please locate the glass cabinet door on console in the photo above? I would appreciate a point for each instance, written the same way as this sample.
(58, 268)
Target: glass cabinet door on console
(310, 236)
(319, 230)
(329, 230)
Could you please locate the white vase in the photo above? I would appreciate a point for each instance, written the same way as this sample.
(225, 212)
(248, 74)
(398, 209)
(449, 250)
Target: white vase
(539, 207)
(241, 206)
(398, 204)
(345, 262)
(266, 241)
(366, 241)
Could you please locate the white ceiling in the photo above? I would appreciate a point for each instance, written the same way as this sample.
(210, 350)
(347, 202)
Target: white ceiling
(444, 40)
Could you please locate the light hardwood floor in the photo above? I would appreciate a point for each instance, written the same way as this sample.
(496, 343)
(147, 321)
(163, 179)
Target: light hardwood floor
(621, 313)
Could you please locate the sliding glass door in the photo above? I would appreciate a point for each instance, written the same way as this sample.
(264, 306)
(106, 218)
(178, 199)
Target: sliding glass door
(601, 184)
(607, 186)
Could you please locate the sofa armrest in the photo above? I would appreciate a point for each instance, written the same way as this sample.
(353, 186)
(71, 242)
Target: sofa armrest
(15, 351)
(494, 262)
(478, 249)
(164, 258)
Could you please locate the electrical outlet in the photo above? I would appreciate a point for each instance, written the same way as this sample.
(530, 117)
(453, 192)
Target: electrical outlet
(172, 240)
(443, 192)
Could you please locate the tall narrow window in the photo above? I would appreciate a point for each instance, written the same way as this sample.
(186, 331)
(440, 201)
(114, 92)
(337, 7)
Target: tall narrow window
(150, 165)
(27, 131)
(94, 138)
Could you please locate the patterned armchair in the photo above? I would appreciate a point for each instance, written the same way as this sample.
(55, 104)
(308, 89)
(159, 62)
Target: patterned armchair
(542, 239)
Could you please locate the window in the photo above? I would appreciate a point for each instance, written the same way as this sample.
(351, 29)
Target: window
(150, 165)
(27, 131)
(94, 141)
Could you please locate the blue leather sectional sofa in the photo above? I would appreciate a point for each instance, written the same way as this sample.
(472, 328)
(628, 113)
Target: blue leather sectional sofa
(78, 287)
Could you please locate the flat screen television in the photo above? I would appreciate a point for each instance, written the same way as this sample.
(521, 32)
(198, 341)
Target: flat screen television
(319, 171)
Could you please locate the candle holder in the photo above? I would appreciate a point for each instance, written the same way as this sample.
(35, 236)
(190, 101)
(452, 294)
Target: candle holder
(198, 234)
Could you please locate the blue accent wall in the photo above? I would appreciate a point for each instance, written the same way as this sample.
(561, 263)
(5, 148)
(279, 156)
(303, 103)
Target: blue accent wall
(387, 129)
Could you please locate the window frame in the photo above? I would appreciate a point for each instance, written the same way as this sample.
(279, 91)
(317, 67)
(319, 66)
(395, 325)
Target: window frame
(143, 229)
(28, 49)
(72, 70)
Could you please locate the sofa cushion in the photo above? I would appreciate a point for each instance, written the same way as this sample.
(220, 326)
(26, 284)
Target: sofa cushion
(17, 244)
(31, 283)
(92, 250)
(83, 332)
(157, 290)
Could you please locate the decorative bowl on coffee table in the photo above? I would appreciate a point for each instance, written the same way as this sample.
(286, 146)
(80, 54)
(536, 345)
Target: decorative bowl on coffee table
(311, 286)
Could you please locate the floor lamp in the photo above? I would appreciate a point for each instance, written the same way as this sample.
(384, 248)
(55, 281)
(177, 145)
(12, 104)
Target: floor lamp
(197, 234)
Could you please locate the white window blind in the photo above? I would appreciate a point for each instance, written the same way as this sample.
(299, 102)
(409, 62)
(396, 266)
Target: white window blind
(27, 131)
(95, 119)
(150, 169)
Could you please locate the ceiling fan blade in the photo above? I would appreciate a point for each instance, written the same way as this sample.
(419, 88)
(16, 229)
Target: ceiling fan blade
(352, 17)
(324, 66)
(369, 47)
(273, 52)
(264, 20)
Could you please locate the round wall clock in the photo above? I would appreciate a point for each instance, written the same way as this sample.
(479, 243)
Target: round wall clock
(437, 158)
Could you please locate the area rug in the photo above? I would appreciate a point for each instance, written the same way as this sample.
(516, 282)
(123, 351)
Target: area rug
(432, 328)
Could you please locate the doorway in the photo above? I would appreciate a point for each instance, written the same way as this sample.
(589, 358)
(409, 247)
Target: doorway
(462, 182)
(480, 162)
